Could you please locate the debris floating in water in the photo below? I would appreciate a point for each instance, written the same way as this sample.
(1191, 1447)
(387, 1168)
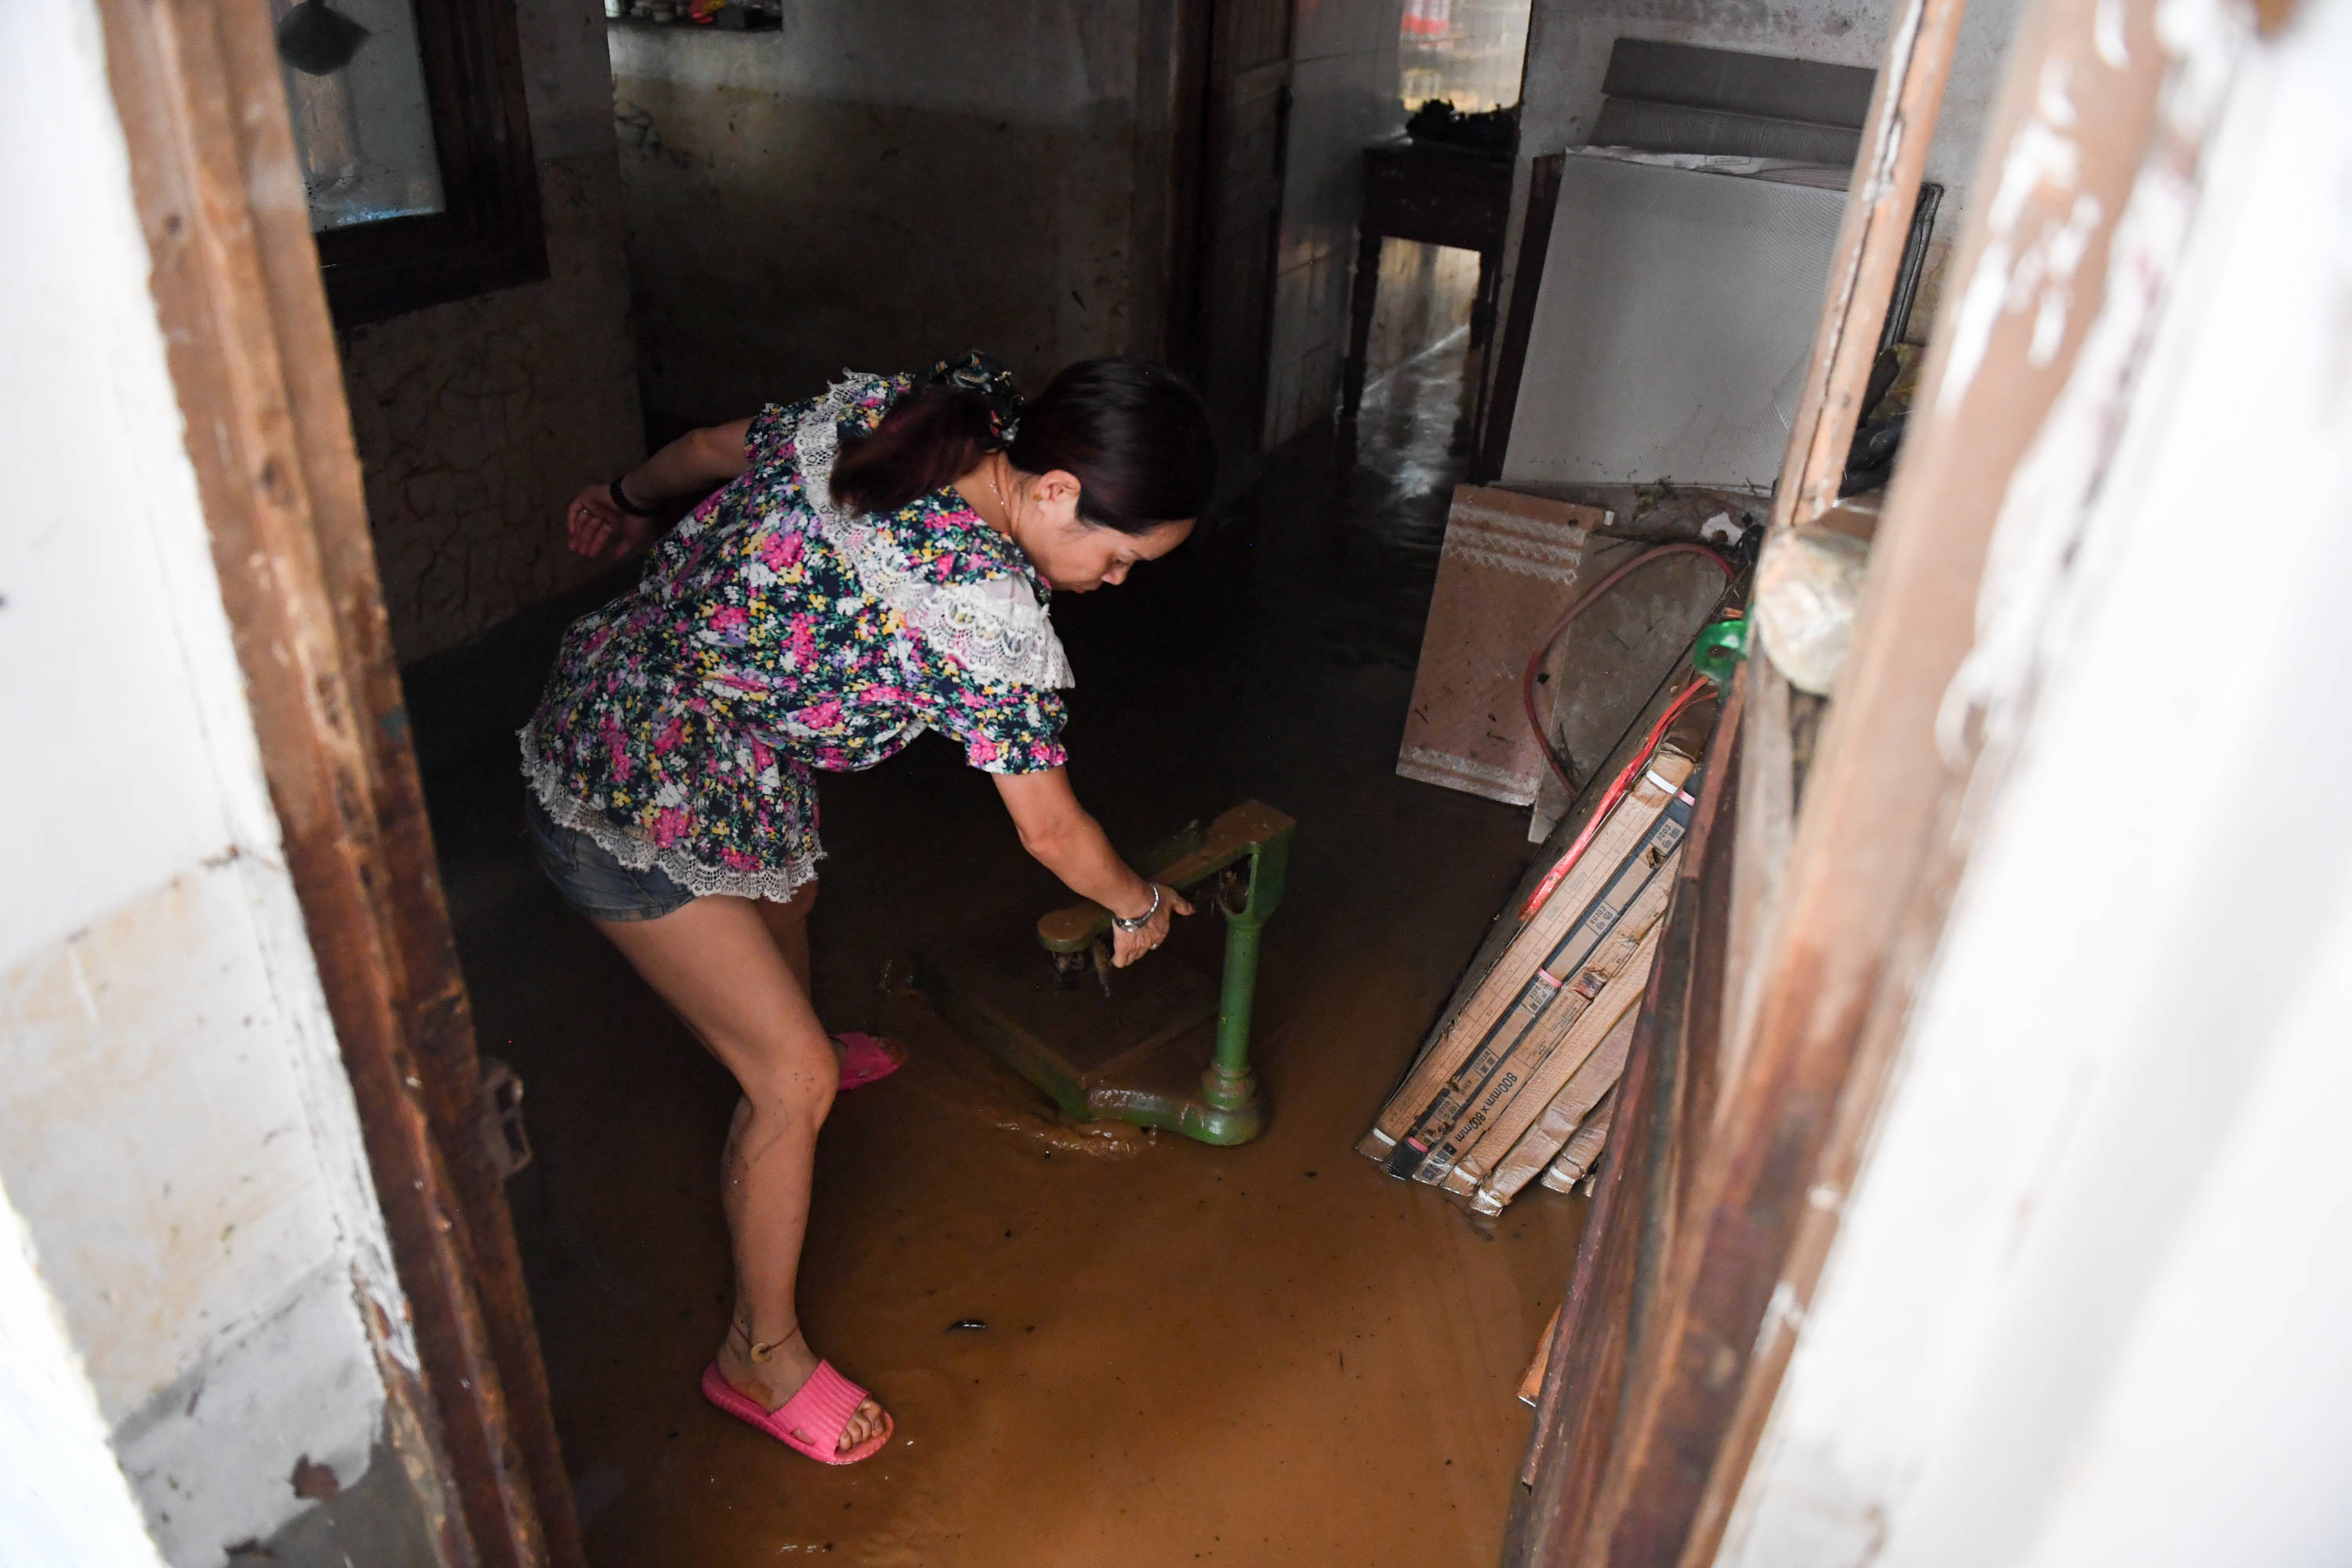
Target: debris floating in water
(1100, 1140)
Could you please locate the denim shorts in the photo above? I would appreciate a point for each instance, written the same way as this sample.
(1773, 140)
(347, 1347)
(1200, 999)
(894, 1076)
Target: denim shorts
(592, 880)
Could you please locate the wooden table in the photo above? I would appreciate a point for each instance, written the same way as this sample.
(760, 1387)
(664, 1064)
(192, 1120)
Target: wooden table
(1436, 196)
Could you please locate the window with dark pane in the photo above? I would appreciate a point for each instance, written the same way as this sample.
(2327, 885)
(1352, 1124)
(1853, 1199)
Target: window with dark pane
(414, 149)
(362, 119)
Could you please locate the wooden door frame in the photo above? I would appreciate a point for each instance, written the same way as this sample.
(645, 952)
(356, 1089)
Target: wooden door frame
(1186, 177)
(1695, 1287)
(251, 352)
(1218, 16)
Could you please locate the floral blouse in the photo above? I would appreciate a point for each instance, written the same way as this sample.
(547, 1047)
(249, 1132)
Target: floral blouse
(773, 632)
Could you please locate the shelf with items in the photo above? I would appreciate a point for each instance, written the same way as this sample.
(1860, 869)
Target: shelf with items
(699, 14)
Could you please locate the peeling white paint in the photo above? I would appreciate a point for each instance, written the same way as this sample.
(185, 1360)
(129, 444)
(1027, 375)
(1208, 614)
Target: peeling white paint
(1887, 155)
(2107, 34)
(2062, 251)
(1783, 1314)
(2057, 106)
(2011, 267)
(293, 1383)
(2036, 551)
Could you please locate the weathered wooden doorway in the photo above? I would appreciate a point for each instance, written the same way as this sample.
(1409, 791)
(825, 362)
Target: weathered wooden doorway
(254, 365)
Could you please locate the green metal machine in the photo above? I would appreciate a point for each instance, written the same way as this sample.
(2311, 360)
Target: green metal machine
(1126, 1052)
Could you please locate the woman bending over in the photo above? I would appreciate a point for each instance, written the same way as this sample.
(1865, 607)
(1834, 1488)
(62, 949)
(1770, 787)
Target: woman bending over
(878, 563)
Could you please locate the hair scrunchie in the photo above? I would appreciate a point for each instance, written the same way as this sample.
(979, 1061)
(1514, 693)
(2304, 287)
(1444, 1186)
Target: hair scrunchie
(985, 377)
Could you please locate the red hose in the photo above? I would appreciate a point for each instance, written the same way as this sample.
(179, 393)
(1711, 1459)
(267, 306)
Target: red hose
(1624, 780)
(1617, 788)
(1543, 649)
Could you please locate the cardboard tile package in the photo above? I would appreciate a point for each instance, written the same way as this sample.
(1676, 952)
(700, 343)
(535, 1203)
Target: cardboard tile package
(1522, 1064)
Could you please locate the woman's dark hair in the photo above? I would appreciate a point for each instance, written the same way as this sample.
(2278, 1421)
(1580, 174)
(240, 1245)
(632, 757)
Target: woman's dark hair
(1133, 434)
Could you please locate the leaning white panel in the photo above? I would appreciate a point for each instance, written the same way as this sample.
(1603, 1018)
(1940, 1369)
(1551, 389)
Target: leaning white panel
(1674, 321)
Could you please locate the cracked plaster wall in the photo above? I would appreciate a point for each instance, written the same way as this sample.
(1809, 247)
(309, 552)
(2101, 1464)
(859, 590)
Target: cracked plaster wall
(829, 195)
(477, 420)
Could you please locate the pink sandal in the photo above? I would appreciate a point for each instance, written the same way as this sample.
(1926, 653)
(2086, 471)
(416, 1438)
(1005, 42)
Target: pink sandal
(812, 1421)
(866, 1059)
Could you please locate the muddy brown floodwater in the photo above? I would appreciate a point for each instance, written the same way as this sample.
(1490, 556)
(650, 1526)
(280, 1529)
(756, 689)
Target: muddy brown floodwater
(1265, 1354)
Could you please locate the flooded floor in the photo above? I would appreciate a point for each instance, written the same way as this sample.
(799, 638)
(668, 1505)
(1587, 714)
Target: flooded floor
(1265, 1354)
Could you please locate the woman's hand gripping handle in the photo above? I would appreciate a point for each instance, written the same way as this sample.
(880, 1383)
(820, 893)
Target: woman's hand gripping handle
(1127, 946)
(1057, 831)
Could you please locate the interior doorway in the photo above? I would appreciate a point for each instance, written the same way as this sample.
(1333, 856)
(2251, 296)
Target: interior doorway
(1245, 123)
(1130, 1331)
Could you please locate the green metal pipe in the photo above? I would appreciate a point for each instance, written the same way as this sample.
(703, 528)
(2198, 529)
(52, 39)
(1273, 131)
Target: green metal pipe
(1240, 994)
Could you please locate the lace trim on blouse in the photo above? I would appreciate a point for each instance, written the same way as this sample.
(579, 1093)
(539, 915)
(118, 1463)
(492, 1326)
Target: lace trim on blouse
(638, 853)
(995, 628)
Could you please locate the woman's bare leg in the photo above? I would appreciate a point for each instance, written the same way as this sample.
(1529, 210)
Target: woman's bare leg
(788, 925)
(718, 962)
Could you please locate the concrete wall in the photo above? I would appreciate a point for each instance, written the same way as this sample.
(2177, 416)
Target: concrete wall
(477, 420)
(828, 194)
(878, 187)
(2086, 1302)
(1344, 89)
(176, 1135)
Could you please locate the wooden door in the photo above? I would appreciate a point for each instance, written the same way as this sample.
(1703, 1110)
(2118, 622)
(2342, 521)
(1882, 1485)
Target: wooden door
(1248, 119)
